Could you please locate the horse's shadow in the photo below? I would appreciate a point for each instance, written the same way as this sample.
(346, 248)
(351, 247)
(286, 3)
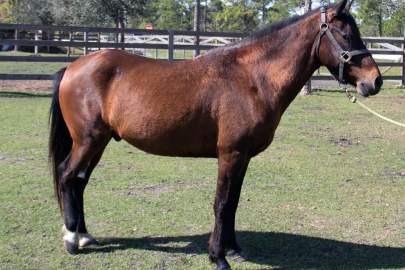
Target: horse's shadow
(281, 250)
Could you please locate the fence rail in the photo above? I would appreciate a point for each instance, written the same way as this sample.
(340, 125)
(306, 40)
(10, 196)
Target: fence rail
(390, 50)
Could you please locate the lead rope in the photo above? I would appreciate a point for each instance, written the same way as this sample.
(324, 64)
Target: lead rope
(353, 99)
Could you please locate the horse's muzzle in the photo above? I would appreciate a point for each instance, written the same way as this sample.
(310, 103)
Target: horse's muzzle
(370, 87)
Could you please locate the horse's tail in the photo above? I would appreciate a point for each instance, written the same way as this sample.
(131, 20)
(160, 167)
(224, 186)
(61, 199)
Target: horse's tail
(60, 141)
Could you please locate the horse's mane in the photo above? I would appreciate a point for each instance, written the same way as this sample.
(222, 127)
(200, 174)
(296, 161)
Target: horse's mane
(274, 27)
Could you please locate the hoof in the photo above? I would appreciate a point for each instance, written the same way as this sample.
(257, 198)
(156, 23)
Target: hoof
(71, 241)
(71, 248)
(237, 256)
(86, 239)
(223, 265)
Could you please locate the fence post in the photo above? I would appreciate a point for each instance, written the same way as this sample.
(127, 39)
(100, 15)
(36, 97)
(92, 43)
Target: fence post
(307, 89)
(99, 40)
(197, 27)
(36, 46)
(70, 39)
(197, 43)
(403, 61)
(122, 38)
(171, 45)
(16, 37)
(86, 39)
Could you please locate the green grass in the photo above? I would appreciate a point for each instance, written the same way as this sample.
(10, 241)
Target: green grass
(327, 194)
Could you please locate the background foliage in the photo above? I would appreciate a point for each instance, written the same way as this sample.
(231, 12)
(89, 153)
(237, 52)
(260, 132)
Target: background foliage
(376, 17)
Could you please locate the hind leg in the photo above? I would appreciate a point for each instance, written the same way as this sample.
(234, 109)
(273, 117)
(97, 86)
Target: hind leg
(72, 186)
(85, 238)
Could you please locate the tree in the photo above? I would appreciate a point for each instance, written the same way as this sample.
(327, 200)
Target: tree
(36, 12)
(6, 8)
(394, 25)
(172, 14)
(276, 10)
(378, 18)
(214, 7)
(238, 16)
(371, 16)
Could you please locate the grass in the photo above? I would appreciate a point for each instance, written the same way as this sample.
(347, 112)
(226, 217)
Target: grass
(327, 194)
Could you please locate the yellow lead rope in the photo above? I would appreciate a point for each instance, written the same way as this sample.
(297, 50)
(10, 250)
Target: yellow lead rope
(353, 99)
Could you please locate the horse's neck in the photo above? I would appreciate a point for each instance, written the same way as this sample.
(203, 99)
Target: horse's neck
(288, 60)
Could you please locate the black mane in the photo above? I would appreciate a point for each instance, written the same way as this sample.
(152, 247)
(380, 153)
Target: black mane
(274, 27)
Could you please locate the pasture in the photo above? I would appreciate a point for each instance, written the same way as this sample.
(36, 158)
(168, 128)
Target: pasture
(327, 194)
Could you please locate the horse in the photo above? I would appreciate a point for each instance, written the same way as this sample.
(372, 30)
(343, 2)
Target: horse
(225, 104)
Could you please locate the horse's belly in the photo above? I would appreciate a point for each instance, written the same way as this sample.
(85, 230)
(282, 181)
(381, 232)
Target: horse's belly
(190, 141)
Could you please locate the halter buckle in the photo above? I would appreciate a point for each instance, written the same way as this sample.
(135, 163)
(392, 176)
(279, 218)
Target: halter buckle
(324, 27)
(345, 56)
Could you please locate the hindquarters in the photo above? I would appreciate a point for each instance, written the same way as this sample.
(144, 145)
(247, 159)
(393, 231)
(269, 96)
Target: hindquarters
(77, 140)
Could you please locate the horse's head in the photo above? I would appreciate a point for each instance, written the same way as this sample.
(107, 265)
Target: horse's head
(342, 51)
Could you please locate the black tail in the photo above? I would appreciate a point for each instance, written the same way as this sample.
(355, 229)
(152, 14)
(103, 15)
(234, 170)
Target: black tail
(60, 142)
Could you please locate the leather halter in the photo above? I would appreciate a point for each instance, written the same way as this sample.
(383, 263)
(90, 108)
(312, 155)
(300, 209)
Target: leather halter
(344, 55)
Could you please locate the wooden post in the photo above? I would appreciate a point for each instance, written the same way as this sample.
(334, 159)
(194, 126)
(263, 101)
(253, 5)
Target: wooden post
(86, 39)
(197, 27)
(99, 40)
(70, 40)
(403, 61)
(307, 89)
(122, 38)
(16, 37)
(171, 45)
(36, 46)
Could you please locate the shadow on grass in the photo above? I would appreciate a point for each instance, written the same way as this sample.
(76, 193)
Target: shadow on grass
(11, 94)
(281, 250)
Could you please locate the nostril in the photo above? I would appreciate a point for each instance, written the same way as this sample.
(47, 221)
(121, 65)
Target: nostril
(378, 83)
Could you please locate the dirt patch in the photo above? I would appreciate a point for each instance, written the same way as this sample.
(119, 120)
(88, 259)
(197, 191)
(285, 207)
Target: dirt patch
(151, 189)
(344, 142)
(26, 86)
(158, 189)
(396, 174)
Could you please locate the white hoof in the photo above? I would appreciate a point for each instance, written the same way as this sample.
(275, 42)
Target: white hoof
(70, 241)
(85, 239)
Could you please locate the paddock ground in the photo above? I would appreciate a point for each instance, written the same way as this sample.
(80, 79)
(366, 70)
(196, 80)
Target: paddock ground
(327, 194)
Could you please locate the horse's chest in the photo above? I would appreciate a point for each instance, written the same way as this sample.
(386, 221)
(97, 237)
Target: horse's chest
(260, 137)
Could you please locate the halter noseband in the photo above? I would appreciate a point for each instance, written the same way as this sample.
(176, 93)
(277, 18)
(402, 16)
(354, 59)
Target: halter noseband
(344, 56)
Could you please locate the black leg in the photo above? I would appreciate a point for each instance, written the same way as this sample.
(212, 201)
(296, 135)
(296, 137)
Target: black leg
(85, 238)
(231, 169)
(231, 245)
(72, 197)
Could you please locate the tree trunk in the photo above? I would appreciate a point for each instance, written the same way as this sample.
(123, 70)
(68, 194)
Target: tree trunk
(197, 26)
(264, 12)
(380, 21)
(307, 89)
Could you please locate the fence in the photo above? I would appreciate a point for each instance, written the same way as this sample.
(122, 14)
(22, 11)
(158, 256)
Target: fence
(390, 52)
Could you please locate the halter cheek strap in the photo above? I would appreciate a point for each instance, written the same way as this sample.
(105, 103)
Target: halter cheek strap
(344, 55)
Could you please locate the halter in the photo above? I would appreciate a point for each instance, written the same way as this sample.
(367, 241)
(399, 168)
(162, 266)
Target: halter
(344, 56)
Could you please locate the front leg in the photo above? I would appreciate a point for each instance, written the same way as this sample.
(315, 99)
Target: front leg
(231, 170)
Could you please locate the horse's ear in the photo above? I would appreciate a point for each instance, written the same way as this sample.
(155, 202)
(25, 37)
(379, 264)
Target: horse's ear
(349, 5)
(340, 8)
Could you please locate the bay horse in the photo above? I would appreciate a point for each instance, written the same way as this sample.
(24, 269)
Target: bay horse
(225, 104)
